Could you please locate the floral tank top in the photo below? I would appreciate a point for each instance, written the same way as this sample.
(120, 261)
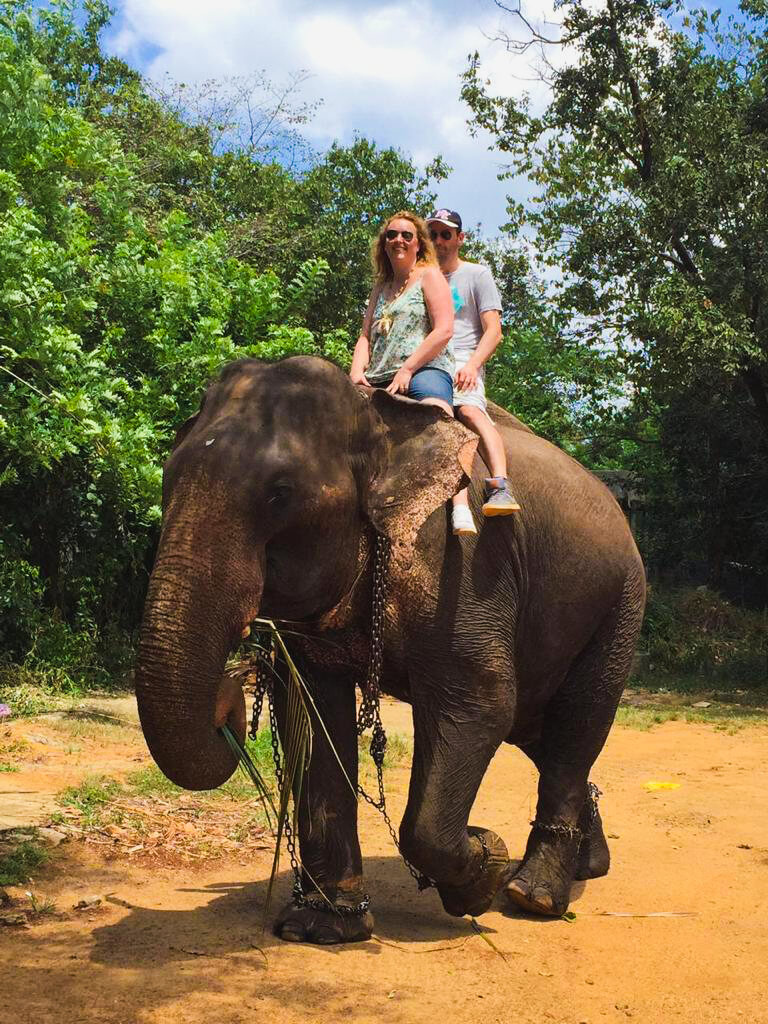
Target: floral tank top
(398, 328)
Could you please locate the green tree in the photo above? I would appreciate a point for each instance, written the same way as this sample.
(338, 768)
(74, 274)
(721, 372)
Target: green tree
(111, 322)
(653, 202)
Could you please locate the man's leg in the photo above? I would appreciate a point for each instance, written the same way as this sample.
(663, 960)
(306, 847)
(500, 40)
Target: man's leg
(491, 445)
(501, 501)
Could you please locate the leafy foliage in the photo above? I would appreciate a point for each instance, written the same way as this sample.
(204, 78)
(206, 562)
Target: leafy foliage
(147, 236)
(111, 323)
(652, 202)
(696, 632)
(18, 864)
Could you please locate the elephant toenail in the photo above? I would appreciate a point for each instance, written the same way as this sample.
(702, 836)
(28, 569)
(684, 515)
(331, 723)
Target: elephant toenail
(542, 898)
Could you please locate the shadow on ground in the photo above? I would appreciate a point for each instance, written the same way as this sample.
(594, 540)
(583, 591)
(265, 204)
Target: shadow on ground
(233, 920)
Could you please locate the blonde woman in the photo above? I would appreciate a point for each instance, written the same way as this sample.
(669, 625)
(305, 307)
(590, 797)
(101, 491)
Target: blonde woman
(405, 342)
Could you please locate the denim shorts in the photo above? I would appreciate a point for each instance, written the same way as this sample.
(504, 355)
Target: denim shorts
(427, 382)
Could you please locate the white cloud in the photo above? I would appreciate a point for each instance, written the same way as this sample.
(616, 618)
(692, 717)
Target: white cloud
(389, 71)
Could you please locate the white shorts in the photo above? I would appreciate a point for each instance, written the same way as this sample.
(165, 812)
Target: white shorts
(476, 395)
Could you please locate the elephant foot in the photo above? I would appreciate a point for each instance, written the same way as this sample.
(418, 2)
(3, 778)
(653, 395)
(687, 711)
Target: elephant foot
(476, 896)
(594, 855)
(322, 927)
(542, 884)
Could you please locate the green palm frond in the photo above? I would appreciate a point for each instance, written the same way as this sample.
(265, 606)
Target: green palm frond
(305, 287)
(296, 743)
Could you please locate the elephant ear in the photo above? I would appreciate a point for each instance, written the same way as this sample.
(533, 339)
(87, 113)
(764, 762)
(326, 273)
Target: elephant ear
(183, 430)
(427, 458)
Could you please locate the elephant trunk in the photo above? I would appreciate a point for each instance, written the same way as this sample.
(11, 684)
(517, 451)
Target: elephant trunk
(194, 616)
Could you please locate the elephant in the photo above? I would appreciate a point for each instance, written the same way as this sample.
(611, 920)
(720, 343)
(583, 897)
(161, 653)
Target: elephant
(273, 496)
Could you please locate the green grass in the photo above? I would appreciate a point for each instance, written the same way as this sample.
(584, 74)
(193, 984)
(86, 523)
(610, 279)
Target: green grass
(29, 699)
(722, 717)
(17, 866)
(689, 685)
(150, 781)
(41, 907)
(399, 750)
(94, 794)
(91, 797)
(9, 752)
(85, 726)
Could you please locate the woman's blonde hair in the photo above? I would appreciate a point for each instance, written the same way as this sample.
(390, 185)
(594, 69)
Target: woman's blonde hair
(426, 256)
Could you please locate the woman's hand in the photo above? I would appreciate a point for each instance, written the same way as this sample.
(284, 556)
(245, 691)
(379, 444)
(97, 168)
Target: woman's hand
(466, 377)
(358, 377)
(400, 382)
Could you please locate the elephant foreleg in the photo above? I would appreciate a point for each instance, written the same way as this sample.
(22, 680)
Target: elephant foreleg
(332, 875)
(453, 746)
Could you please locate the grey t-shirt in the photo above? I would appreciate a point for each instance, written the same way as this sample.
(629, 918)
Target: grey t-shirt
(474, 292)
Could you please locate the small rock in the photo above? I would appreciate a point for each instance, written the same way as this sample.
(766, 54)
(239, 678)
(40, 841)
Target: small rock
(50, 835)
(702, 704)
(94, 901)
(13, 920)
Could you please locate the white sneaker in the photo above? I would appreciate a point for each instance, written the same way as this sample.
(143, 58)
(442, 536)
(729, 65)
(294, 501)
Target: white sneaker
(463, 523)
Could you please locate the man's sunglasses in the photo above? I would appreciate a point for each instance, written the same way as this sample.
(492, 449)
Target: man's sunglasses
(391, 235)
(446, 234)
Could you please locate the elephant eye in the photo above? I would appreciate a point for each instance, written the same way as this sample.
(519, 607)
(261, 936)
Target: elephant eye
(279, 494)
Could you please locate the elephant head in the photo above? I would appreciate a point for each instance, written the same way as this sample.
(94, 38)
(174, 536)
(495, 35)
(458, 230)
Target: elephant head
(266, 496)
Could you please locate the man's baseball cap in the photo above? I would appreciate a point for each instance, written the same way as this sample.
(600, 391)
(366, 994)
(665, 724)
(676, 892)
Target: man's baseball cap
(450, 218)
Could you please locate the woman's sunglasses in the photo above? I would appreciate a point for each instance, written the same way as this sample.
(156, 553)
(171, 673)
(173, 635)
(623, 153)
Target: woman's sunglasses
(446, 234)
(391, 235)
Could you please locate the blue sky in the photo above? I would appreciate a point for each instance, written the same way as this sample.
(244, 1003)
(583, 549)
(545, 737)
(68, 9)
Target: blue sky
(389, 70)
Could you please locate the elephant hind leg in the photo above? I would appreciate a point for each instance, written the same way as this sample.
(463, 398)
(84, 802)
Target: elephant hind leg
(567, 839)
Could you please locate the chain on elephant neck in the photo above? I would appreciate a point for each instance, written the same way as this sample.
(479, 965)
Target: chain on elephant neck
(368, 717)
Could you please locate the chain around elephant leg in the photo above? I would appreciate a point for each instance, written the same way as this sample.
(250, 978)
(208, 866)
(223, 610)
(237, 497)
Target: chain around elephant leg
(594, 855)
(554, 857)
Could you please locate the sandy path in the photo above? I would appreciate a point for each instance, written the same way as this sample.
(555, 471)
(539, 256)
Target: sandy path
(180, 946)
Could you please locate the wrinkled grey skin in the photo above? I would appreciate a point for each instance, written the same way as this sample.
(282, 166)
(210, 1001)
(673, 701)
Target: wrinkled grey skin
(273, 495)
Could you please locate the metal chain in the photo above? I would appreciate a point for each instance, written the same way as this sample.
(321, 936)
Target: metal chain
(369, 717)
(369, 713)
(569, 831)
(593, 795)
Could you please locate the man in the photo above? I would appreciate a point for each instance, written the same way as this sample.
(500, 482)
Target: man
(476, 336)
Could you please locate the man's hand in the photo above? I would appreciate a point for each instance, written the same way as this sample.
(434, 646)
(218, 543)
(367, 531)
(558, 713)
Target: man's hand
(400, 382)
(466, 377)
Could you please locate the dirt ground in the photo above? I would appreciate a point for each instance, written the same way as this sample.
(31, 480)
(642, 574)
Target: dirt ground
(678, 931)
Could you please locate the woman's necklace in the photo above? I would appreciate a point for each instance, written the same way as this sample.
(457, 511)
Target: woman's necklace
(401, 289)
(385, 321)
